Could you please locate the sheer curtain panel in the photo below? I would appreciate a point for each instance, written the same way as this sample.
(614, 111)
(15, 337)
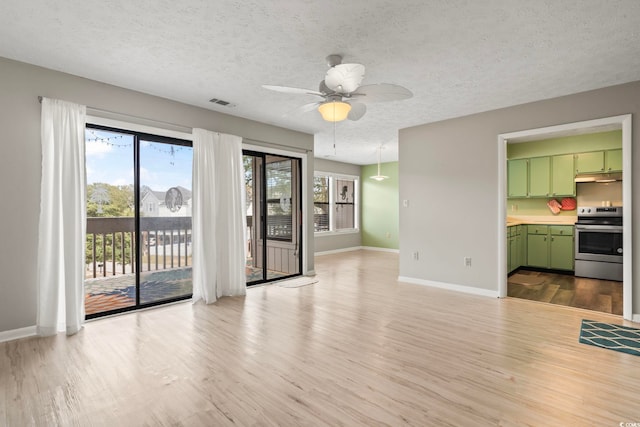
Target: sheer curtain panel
(62, 227)
(218, 216)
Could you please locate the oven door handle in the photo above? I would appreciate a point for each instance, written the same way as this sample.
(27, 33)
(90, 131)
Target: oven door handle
(599, 228)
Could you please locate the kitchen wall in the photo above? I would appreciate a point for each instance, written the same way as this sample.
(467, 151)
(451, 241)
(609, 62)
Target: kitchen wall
(449, 176)
(595, 193)
(380, 207)
(20, 84)
(325, 242)
(570, 144)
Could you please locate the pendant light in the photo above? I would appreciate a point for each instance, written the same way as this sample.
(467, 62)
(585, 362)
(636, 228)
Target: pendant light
(379, 177)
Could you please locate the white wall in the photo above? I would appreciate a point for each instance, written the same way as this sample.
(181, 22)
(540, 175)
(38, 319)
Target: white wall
(449, 174)
(20, 84)
(332, 242)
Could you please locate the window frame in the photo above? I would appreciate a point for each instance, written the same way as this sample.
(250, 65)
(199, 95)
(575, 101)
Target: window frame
(333, 200)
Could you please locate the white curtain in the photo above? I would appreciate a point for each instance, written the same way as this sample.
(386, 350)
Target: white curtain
(219, 216)
(62, 227)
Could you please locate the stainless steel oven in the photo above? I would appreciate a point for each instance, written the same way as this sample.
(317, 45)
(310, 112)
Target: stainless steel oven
(598, 246)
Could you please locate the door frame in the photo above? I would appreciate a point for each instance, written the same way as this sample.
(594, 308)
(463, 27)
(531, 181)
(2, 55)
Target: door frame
(622, 122)
(304, 253)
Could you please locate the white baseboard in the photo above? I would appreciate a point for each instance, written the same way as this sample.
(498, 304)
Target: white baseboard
(450, 287)
(374, 248)
(357, 248)
(635, 318)
(16, 334)
(337, 251)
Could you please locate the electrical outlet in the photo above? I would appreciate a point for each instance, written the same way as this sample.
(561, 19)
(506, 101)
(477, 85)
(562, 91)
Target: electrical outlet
(467, 261)
(514, 208)
(416, 255)
(388, 235)
(405, 203)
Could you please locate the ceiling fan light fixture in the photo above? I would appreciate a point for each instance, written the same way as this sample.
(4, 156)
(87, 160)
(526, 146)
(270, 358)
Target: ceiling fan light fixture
(334, 111)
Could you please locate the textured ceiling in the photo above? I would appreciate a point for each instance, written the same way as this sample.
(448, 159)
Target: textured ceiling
(457, 56)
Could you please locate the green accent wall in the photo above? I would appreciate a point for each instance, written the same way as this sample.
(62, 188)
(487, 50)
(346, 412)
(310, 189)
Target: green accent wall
(565, 145)
(380, 201)
(520, 206)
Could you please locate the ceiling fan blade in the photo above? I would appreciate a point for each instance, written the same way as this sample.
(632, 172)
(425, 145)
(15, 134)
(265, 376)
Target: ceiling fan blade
(308, 107)
(303, 109)
(357, 111)
(381, 92)
(344, 78)
(295, 90)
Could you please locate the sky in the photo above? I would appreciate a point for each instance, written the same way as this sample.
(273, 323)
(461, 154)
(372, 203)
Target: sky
(109, 159)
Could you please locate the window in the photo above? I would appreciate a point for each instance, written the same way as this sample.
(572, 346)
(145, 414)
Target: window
(279, 212)
(335, 205)
(321, 203)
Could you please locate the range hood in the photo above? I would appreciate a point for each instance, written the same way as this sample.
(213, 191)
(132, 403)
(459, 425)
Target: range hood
(599, 177)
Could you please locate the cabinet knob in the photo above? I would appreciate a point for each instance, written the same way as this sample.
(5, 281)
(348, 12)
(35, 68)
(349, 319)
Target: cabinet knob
(552, 239)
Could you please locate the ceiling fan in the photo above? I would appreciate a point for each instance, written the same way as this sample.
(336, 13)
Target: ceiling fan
(341, 93)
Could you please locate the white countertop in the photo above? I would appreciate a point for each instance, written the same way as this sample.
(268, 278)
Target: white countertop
(541, 220)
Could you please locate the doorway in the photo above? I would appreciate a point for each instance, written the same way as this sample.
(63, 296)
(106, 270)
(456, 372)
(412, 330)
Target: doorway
(274, 216)
(138, 246)
(592, 126)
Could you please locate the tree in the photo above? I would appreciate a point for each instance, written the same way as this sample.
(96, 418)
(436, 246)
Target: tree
(106, 200)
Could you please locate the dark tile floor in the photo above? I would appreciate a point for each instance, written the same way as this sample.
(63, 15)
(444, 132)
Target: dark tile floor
(591, 294)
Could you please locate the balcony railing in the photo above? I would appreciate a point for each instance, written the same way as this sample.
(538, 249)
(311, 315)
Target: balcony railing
(111, 244)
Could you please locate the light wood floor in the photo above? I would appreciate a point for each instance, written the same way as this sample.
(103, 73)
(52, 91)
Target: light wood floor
(356, 348)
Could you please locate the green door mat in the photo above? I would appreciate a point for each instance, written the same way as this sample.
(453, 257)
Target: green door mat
(611, 336)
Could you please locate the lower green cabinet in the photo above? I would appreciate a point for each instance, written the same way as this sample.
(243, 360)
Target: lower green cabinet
(550, 247)
(537, 250)
(561, 253)
(515, 247)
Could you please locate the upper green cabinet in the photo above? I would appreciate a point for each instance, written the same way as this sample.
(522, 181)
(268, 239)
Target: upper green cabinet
(562, 177)
(541, 176)
(613, 161)
(599, 161)
(517, 177)
(590, 162)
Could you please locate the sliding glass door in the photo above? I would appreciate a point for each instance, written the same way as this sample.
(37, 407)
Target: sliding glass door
(138, 247)
(273, 216)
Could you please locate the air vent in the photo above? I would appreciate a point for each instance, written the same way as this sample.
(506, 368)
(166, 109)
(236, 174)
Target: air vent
(221, 102)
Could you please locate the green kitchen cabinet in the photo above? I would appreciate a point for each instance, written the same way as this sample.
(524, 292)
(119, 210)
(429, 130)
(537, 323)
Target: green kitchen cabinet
(517, 247)
(562, 176)
(561, 247)
(561, 252)
(613, 161)
(517, 177)
(522, 246)
(514, 248)
(590, 162)
(513, 254)
(537, 250)
(550, 246)
(539, 176)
